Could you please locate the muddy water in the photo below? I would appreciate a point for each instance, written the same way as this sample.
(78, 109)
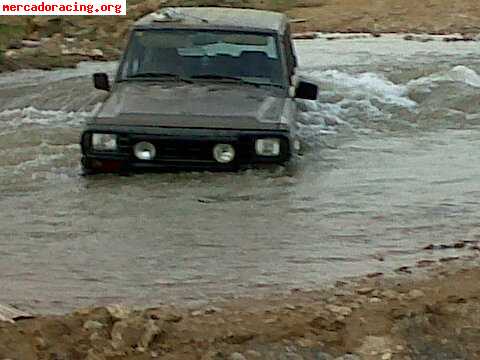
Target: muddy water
(391, 165)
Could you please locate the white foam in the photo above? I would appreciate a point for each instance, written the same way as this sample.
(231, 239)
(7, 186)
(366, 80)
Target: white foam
(461, 74)
(31, 115)
(365, 86)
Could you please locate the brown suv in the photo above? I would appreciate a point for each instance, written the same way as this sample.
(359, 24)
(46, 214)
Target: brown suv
(199, 88)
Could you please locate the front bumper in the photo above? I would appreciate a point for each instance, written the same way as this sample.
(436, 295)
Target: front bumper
(183, 148)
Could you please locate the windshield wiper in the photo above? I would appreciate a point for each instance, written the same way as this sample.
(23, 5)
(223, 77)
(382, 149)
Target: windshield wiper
(233, 79)
(155, 76)
(217, 77)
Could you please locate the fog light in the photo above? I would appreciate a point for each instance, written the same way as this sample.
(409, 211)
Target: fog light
(144, 151)
(267, 147)
(224, 153)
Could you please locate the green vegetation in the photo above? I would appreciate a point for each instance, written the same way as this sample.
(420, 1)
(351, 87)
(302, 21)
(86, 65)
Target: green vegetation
(11, 32)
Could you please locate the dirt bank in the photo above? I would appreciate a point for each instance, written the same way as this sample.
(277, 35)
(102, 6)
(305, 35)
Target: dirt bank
(46, 42)
(437, 317)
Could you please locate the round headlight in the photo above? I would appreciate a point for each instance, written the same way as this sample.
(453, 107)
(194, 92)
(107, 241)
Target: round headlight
(144, 151)
(224, 153)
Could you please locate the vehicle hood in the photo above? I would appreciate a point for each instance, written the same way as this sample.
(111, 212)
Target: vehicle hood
(192, 105)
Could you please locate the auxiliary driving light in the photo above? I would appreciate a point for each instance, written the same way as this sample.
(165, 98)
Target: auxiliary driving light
(144, 151)
(224, 153)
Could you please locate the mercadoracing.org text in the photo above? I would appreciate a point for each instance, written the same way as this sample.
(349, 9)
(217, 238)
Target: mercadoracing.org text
(63, 7)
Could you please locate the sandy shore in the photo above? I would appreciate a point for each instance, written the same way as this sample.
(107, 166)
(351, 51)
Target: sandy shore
(432, 315)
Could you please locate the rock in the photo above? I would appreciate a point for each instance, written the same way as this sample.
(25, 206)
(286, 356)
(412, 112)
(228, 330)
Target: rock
(151, 332)
(118, 312)
(349, 357)
(374, 344)
(92, 355)
(133, 333)
(253, 354)
(92, 325)
(341, 310)
(159, 314)
(47, 26)
(212, 310)
(236, 356)
(15, 45)
(10, 314)
(196, 313)
(293, 356)
(323, 356)
(31, 43)
(213, 355)
(415, 294)
(387, 356)
(10, 53)
(364, 291)
(390, 294)
(40, 343)
(374, 300)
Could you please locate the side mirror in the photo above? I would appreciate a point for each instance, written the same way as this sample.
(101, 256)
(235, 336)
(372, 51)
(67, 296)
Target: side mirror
(100, 81)
(307, 91)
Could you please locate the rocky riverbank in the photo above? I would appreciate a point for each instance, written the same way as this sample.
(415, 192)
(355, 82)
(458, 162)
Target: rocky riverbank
(410, 317)
(49, 42)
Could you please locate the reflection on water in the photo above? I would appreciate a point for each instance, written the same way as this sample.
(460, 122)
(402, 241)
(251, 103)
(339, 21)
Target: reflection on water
(391, 166)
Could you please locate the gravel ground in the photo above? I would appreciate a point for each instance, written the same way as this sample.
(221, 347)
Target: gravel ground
(432, 315)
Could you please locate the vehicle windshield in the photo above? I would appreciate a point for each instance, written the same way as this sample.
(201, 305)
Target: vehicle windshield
(203, 55)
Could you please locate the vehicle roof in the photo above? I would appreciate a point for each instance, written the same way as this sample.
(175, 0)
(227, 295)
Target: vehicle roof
(216, 18)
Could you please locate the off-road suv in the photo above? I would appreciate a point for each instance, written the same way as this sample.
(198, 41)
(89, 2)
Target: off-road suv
(199, 87)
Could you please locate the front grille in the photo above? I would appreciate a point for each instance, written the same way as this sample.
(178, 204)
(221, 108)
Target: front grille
(175, 149)
(184, 150)
(197, 150)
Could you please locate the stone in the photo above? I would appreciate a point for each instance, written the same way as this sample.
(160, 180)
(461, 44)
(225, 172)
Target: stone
(253, 354)
(349, 357)
(364, 291)
(341, 310)
(31, 43)
(387, 356)
(92, 325)
(377, 344)
(390, 294)
(293, 356)
(134, 333)
(118, 312)
(92, 355)
(212, 310)
(212, 355)
(323, 356)
(151, 332)
(374, 300)
(236, 356)
(415, 294)
(40, 343)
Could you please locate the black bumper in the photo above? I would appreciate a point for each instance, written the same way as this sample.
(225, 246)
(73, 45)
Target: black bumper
(183, 148)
